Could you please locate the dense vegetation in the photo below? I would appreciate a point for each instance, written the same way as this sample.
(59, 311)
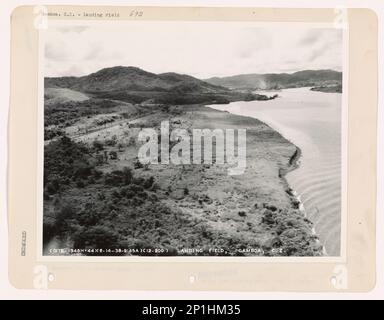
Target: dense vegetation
(121, 212)
(115, 210)
(67, 112)
(175, 97)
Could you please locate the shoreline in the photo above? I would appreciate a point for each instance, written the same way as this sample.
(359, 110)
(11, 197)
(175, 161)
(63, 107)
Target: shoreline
(293, 164)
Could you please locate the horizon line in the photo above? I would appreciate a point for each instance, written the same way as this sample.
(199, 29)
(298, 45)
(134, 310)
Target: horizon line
(186, 74)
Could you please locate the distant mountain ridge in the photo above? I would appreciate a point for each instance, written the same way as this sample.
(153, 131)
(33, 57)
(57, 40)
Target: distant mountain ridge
(127, 78)
(132, 84)
(270, 81)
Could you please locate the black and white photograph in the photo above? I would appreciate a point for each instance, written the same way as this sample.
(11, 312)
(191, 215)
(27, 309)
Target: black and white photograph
(193, 139)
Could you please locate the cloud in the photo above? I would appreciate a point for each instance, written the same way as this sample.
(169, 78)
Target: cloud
(97, 51)
(55, 51)
(94, 51)
(317, 52)
(311, 37)
(201, 49)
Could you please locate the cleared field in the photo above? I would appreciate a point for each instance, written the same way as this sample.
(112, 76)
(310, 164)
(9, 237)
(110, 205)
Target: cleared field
(54, 95)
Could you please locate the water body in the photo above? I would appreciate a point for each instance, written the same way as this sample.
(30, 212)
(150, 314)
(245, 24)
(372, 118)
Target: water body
(312, 121)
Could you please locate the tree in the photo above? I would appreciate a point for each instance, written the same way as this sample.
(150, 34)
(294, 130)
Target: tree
(63, 217)
(97, 145)
(149, 182)
(53, 186)
(81, 170)
(80, 183)
(113, 155)
(137, 164)
(114, 178)
(127, 175)
(65, 161)
(118, 177)
(99, 159)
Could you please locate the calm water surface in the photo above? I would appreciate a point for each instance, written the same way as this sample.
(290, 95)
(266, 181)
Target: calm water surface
(312, 121)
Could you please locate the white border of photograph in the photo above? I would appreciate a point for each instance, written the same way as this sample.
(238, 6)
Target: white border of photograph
(344, 156)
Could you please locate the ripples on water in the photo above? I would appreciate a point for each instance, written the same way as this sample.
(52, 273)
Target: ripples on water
(312, 121)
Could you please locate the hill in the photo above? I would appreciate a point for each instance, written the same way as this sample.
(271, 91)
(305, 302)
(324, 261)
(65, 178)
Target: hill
(306, 78)
(134, 85)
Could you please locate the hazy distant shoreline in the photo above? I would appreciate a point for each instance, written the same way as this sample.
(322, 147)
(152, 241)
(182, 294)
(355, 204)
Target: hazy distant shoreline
(329, 89)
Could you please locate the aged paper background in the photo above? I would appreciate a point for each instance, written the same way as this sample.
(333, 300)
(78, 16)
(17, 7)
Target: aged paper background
(359, 268)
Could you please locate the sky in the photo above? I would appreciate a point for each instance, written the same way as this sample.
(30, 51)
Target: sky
(200, 49)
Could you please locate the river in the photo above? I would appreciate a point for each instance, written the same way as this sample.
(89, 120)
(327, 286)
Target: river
(312, 121)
